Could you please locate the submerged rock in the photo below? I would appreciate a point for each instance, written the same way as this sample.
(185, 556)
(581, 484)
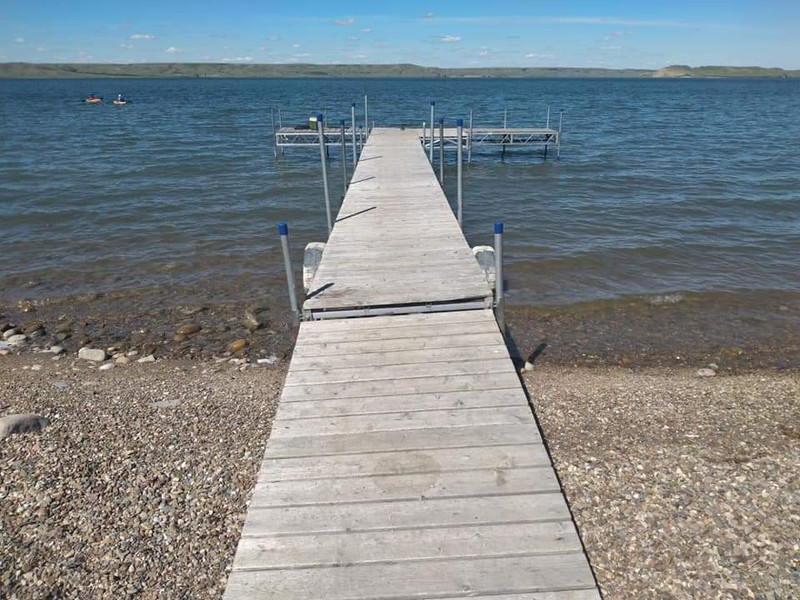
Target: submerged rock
(706, 372)
(188, 329)
(94, 354)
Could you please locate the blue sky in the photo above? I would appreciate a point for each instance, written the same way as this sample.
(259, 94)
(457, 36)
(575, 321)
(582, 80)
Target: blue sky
(614, 34)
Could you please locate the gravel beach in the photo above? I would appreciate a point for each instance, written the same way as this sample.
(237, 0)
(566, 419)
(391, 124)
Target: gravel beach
(139, 484)
(682, 486)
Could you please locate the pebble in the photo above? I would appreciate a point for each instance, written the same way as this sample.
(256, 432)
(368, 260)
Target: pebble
(706, 372)
(236, 346)
(17, 339)
(269, 360)
(95, 354)
(21, 423)
(147, 359)
(26, 306)
(713, 366)
(9, 332)
(188, 329)
(56, 349)
(122, 360)
(106, 367)
(132, 353)
(36, 367)
(528, 366)
(64, 327)
(179, 337)
(33, 329)
(250, 320)
(4, 352)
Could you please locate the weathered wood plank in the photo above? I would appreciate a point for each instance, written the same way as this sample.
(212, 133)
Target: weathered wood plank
(402, 403)
(383, 488)
(410, 440)
(455, 342)
(430, 579)
(459, 417)
(418, 385)
(395, 373)
(427, 329)
(385, 463)
(348, 549)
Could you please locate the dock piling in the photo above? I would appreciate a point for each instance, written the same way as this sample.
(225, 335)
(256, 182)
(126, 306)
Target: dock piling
(274, 133)
(441, 150)
(353, 134)
(366, 115)
(283, 230)
(344, 160)
(505, 118)
(560, 124)
(469, 142)
(433, 116)
(280, 126)
(499, 301)
(459, 159)
(547, 126)
(322, 148)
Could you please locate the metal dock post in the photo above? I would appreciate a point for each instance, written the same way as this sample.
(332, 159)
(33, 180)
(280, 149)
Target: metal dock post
(283, 230)
(366, 115)
(499, 301)
(353, 134)
(469, 142)
(441, 150)
(321, 132)
(274, 134)
(433, 116)
(459, 158)
(558, 143)
(344, 160)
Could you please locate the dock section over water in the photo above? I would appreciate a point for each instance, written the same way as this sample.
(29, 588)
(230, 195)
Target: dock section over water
(396, 245)
(404, 461)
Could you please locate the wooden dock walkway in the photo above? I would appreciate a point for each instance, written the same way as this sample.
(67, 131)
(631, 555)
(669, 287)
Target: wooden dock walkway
(404, 461)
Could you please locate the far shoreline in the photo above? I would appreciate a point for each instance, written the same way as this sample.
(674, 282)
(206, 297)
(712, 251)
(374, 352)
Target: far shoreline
(26, 70)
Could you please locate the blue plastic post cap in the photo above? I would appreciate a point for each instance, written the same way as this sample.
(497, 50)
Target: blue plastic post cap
(498, 227)
(283, 229)
(342, 123)
(441, 121)
(353, 105)
(460, 122)
(433, 102)
(319, 117)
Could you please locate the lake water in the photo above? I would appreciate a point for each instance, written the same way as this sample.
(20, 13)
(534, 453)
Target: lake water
(663, 185)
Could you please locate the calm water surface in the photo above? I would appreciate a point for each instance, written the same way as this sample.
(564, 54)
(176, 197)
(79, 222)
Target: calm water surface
(663, 186)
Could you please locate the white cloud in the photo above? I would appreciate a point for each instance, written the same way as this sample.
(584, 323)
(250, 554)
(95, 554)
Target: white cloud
(126, 46)
(359, 56)
(20, 40)
(302, 55)
(366, 30)
(429, 15)
(142, 36)
(295, 45)
(450, 39)
(344, 22)
(238, 59)
(611, 48)
(483, 51)
(352, 38)
(535, 55)
(172, 50)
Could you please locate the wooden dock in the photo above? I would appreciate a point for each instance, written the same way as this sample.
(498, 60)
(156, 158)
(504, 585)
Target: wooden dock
(404, 461)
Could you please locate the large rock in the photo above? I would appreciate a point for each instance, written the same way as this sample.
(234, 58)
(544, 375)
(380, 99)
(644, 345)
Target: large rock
(95, 354)
(9, 332)
(21, 423)
(17, 340)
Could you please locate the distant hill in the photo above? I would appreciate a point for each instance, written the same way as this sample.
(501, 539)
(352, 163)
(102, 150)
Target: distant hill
(177, 70)
(683, 71)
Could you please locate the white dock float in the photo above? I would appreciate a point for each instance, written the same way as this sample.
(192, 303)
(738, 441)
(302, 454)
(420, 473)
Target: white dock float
(404, 461)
